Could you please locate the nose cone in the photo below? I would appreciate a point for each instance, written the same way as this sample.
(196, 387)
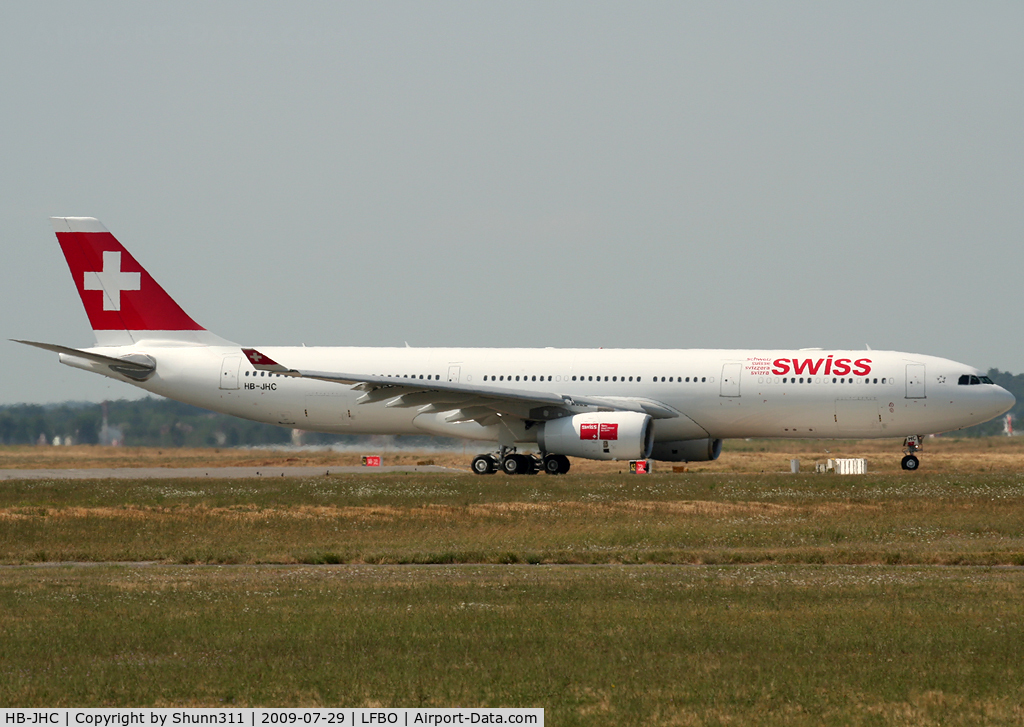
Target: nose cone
(1002, 401)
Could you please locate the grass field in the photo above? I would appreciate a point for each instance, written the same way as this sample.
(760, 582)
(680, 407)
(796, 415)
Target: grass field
(673, 598)
(918, 518)
(602, 645)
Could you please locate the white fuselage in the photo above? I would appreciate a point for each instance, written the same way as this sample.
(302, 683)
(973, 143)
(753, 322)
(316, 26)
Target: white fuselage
(719, 393)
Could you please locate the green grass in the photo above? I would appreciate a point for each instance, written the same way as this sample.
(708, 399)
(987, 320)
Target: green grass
(600, 645)
(414, 518)
(774, 631)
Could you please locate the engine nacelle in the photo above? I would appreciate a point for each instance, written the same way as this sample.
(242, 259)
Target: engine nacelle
(605, 435)
(689, 450)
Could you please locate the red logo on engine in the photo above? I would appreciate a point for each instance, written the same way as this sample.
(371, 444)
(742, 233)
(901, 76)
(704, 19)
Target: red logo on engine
(609, 431)
(599, 430)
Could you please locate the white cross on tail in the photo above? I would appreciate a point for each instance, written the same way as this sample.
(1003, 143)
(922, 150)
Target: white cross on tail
(112, 281)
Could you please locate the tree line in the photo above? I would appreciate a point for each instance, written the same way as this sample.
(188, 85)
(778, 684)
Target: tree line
(156, 422)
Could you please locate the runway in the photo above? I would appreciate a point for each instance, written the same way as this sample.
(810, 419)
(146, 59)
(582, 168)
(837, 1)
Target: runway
(170, 473)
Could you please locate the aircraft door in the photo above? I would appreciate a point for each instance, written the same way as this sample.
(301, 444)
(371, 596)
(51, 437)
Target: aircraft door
(453, 374)
(731, 379)
(229, 372)
(915, 381)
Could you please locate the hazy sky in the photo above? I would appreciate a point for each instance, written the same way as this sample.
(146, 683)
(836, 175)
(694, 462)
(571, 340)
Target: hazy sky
(541, 174)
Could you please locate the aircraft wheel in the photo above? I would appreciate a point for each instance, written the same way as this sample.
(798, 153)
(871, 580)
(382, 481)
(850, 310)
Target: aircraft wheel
(910, 462)
(483, 464)
(513, 465)
(556, 464)
(533, 465)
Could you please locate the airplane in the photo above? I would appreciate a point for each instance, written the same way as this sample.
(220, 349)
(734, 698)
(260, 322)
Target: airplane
(602, 404)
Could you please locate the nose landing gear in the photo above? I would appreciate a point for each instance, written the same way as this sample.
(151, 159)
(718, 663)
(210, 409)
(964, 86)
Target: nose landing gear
(911, 445)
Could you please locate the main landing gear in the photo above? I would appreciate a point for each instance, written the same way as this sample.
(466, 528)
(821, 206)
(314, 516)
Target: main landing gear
(511, 463)
(910, 446)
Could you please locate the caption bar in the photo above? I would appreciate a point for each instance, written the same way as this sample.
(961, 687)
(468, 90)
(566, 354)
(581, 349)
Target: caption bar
(168, 717)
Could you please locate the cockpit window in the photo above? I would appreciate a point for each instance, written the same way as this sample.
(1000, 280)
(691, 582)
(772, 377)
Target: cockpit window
(971, 380)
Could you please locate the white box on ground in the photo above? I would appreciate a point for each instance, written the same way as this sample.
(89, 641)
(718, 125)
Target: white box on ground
(851, 466)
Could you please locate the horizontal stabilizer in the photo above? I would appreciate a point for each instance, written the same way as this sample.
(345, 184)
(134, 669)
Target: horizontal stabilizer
(135, 366)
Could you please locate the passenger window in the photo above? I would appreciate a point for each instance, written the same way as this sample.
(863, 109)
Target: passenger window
(573, 378)
(630, 378)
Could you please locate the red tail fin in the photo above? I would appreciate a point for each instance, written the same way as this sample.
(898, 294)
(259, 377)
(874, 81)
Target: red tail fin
(117, 292)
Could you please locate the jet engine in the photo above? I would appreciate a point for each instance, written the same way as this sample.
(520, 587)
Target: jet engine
(605, 435)
(689, 450)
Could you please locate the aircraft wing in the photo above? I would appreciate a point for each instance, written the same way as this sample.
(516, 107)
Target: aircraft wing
(470, 402)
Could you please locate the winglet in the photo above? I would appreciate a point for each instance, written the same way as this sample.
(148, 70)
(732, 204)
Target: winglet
(262, 362)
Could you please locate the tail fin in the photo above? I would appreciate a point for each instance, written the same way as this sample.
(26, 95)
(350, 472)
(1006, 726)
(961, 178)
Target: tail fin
(124, 303)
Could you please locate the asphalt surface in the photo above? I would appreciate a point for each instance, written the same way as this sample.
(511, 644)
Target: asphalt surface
(169, 473)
